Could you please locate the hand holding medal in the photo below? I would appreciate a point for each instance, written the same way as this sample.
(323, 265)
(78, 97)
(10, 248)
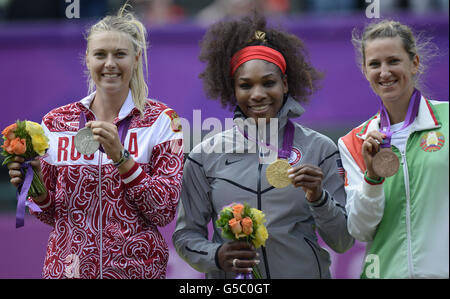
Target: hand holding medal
(281, 174)
(106, 137)
(385, 163)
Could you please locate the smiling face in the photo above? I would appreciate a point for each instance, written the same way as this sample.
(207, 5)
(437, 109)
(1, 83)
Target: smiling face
(389, 69)
(259, 89)
(111, 60)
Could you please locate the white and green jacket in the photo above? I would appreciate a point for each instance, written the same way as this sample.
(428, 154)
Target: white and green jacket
(405, 219)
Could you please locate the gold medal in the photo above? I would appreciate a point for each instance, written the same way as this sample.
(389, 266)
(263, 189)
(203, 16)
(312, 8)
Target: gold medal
(385, 163)
(276, 173)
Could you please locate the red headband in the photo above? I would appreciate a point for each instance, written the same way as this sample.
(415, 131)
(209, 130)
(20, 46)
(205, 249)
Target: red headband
(257, 52)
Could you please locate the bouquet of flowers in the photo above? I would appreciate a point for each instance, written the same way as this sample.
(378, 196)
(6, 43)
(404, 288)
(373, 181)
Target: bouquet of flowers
(242, 222)
(26, 139)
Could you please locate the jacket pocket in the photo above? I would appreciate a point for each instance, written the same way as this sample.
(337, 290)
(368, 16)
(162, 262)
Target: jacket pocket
(311, 245)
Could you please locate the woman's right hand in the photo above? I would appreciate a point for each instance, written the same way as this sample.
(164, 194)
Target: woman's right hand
(370, 147)
(244, 253)
(14, 171)
(16, 176)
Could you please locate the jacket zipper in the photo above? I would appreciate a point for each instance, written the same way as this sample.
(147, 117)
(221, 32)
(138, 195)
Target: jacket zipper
(315, 255)
(100, 224)
(408, 212)
(263, 249)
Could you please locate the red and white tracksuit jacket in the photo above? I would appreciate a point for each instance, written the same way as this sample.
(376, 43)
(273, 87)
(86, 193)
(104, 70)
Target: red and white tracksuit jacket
(105, 224)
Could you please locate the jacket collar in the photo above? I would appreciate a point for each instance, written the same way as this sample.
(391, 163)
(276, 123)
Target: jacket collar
(290, 109)
(125, 110)
(425, 120)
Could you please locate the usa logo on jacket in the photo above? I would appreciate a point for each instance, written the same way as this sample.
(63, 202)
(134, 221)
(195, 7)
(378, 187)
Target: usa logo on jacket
(295, 156)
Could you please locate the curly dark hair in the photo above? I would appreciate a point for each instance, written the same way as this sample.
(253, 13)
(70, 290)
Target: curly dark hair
(225, 38)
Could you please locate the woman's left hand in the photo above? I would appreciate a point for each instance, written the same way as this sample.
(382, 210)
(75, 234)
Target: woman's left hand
(107, 134)
(309, 177)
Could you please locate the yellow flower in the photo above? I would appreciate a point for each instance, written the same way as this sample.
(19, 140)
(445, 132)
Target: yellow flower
(261, 236)
(38, 138)
(258, 216)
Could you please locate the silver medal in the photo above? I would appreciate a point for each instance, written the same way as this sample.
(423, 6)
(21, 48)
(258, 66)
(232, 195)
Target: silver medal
(85, 142)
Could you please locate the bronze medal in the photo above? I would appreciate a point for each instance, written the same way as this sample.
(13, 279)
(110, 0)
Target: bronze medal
(385, 163)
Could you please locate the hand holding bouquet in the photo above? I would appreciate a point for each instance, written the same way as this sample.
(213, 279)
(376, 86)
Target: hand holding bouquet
(241, 222)
(25, 139)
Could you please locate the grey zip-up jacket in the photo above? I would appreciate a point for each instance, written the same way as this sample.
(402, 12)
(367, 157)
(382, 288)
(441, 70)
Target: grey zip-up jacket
(212, 180)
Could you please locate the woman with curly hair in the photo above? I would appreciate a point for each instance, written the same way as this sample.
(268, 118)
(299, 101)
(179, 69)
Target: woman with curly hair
(264, 74)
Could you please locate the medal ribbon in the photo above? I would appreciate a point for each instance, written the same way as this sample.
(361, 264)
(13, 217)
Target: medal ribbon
(122, 128)
(288, 139)
(385, 124)
(22, 201)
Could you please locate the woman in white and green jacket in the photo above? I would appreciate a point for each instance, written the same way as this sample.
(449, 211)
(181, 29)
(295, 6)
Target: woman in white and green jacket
(403, 218)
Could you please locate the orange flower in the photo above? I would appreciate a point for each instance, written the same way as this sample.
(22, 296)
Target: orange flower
(6, 145)
(16, 146)
(247, 225)
(235, 226)
(238, 210)
(8, 132)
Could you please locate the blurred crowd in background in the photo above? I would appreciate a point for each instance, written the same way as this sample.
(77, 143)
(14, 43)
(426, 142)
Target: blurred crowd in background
(162, 12)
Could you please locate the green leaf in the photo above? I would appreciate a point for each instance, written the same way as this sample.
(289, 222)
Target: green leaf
(228, 235)
(247, 210)
(7, 159)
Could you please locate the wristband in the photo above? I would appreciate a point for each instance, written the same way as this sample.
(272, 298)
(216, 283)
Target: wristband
(321, 201)
(372, 181)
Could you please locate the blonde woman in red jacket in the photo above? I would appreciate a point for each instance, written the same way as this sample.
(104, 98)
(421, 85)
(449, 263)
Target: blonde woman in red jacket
(105, 206)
